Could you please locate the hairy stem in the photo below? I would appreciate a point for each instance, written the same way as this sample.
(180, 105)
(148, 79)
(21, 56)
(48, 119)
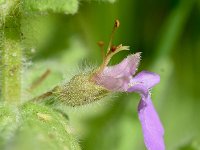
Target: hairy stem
(11, 52)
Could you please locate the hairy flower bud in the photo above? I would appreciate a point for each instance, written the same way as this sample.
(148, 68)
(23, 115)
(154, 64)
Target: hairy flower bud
(78, 91)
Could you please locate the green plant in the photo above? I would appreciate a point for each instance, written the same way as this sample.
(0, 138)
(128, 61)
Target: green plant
(26, 125)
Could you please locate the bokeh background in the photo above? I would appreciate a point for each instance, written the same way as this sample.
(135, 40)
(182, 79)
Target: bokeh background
(167, 32)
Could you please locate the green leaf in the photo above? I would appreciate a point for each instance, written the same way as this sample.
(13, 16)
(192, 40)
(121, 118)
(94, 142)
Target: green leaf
(8, 124)
(42, 129)
(56, 6)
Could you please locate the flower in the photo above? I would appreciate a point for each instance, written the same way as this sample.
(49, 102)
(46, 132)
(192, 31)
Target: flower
(151, 125)
(119, 78)
(88, 87)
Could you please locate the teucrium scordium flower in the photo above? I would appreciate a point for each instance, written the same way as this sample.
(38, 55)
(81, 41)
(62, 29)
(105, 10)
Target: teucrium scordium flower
(119, 78)
(96, 84)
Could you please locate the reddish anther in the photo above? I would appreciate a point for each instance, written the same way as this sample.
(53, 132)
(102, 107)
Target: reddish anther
(113, 48)
(100, 43)
(117, 23)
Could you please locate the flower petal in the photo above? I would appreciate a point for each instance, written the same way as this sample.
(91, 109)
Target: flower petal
(143, 81)
(112, 84)
(127, 67)
(151, 125)
(117, 77)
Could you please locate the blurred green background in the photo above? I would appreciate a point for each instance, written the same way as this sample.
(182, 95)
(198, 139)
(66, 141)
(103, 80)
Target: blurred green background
(167, 32)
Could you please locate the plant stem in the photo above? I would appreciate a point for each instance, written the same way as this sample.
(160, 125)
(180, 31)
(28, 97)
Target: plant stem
(11, 54)
(11, 71)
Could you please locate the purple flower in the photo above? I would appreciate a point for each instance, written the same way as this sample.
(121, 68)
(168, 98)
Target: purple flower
(119, 78)
(151, 125)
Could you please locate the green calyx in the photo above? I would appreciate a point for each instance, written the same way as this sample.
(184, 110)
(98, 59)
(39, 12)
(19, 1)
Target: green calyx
(80, 90)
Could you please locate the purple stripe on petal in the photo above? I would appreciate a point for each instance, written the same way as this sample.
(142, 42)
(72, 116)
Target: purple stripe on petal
(151, 125)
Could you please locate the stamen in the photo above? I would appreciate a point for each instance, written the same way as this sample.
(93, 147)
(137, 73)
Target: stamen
(110, 54)
(101, 45)
(112, 49)
(116, 25)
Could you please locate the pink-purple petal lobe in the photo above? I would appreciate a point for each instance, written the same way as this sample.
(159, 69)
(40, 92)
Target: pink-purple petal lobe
(152, 128)
(143, 81)
(112, 84)
(117, 77)
(125, 68)
(120, 78)
(139, 88)
(148, 79)
(151, 125)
